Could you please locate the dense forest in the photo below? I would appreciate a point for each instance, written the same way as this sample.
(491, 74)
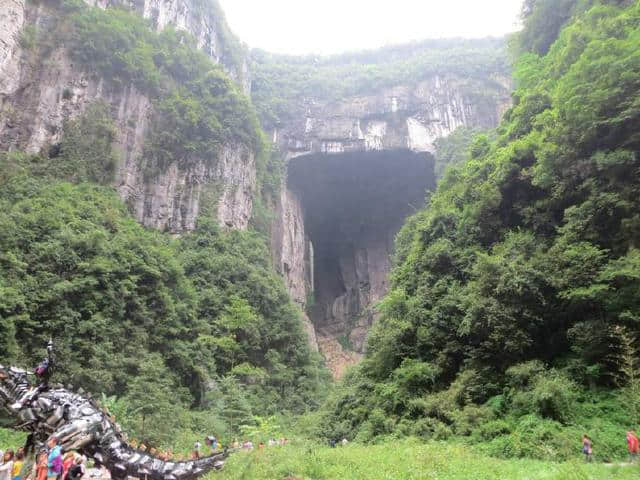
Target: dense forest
(513, 314)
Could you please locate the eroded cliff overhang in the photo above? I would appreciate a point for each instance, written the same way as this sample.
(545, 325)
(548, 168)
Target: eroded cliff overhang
(411, 116)
(353, 205)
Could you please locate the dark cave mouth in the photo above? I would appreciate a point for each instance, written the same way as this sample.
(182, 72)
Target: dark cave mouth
(354, 204)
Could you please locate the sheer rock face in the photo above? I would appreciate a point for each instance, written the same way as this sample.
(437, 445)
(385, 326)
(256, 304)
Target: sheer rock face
(402, 118)
(37, 95)
(293, 253)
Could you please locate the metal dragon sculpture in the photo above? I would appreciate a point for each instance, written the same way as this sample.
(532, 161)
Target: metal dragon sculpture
(79, 424)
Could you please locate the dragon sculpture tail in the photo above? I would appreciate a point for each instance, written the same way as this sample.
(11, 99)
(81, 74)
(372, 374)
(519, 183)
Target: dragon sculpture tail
(123, 461)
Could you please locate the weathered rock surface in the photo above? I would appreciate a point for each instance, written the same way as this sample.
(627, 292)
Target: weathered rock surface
(11, 23)
(37, 96)
(294, 253)
(410, 117)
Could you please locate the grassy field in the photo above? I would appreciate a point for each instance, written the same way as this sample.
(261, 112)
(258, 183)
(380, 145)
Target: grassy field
(405, 460)
(401, 460)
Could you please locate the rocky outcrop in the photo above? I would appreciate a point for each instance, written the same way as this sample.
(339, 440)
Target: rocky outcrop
(38, 95)
(349, 218)
(171, 199)
(411, 117)
(11, 22)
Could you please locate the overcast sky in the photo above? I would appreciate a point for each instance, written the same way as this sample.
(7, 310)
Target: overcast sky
(333, 26)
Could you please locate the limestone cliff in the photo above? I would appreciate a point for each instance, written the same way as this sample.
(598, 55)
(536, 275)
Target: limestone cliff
(405, 116)
(39, 93)
(356, 173)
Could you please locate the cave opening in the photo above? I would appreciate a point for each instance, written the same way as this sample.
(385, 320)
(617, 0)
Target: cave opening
(353, 205)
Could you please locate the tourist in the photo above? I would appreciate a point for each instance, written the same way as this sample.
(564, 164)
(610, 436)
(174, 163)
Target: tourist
(587, 447)
(235, 444)
(247, 445)
(77, 471)
(212, 441)
(196, 449)
(18, 464)
(54, 460)
(40, 467)
(632, 444)
(6, 468)
(67, 462)
(345, 442)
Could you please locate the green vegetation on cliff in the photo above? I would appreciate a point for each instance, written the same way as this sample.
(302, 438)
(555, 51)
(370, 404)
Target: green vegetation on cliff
(282, 84)
(197, 107)
(514, 305)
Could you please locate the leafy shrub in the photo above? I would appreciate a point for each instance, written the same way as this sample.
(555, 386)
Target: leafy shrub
(493, 429)
(522, 374)
(552, 395)
(87, 152)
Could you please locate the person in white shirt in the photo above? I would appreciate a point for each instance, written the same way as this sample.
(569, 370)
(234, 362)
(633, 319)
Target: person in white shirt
(6, 467)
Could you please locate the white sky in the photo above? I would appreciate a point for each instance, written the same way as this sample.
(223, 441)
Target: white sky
(334, 26)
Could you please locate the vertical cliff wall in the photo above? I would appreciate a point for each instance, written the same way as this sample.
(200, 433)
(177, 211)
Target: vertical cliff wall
(41, 89)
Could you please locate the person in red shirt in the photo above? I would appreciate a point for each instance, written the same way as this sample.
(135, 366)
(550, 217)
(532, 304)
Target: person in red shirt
(632, 444)
(41, 467)
(67, 463)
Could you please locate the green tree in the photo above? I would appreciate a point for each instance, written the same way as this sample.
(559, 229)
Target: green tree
(155, 402)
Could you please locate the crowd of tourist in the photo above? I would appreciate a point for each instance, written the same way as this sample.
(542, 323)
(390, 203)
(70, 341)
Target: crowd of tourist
(48, 465)
(53, 464)
(248, 444)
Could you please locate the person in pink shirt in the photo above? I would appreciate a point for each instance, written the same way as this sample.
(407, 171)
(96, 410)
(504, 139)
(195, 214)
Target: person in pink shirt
(632, 444)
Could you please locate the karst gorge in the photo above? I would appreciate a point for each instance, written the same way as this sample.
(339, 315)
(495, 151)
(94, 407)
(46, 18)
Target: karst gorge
(355, 163)
(433, 240)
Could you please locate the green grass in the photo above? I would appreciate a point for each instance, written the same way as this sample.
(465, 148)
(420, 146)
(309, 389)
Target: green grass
(399, 460)
(11, 439)
(406, 460)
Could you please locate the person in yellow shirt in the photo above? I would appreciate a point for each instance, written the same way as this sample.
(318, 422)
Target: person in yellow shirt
(16, 472)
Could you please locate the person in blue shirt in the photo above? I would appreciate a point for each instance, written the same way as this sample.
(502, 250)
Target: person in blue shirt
(54, 461)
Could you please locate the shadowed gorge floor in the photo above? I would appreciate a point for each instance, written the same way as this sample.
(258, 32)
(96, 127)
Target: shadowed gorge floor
(353, 205)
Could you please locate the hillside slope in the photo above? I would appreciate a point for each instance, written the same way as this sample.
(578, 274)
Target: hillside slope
(515, 292)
